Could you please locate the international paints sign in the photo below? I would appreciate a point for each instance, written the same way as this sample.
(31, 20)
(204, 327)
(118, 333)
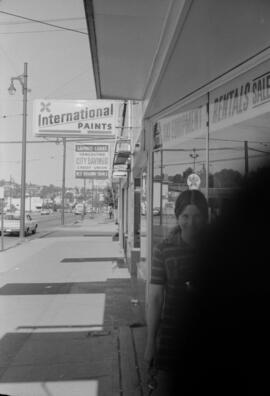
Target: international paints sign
(241, 99)
(92, 161)
(69, 118)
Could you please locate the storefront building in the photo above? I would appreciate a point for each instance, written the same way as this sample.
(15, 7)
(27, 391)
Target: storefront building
(201, 71)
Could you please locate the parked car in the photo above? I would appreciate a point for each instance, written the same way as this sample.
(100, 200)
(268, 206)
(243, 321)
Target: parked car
(45, 211)
(156, 211)
(12, 224)
(79, 209)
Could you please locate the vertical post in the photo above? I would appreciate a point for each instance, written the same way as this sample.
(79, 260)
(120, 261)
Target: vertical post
(23, 170)
(246, 157)
(92, 190)
(30, 197)
(2, 224)
(84, 189)
(161, 185)
(207, 148)
(84, 197)
(10, 191)
(63, 183)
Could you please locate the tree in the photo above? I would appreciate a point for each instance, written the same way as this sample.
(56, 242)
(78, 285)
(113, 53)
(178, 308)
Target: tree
(227, 178)
(177, 179)
(69, 196)
(186, 174)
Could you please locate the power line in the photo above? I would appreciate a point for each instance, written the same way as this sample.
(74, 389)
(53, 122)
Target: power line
(233, 140)
(29, 160)
(29, 141)
(215, 160)
(45, 20)
(10, 115)
(66, 83)
(33, 31)
(43, 23)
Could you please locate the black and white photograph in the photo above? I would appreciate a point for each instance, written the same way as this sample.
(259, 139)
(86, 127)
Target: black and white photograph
(134, 197)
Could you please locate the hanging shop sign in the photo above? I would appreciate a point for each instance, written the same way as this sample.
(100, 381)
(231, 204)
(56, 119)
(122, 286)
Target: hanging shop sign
(182, 126)
(92, 161)
(79, 118)
(241, 99)
(121, 168)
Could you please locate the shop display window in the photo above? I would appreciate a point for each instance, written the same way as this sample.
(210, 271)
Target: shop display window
(239, 140)
(222, 137)
(181, 151)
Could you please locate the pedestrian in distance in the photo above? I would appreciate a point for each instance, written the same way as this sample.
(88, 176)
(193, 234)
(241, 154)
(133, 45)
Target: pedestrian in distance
(171, 287)
(110, 212)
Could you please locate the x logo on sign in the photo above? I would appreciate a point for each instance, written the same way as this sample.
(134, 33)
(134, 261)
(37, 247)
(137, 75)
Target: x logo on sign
(45, 106)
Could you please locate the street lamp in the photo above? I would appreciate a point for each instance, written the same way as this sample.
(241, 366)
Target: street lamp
(194, 155)
(23, 81)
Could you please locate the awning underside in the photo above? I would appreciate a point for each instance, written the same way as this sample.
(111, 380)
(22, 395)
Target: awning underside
(127, 35)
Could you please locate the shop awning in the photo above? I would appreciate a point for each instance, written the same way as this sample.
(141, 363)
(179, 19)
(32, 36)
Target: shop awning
(122, 152)
(125, 36)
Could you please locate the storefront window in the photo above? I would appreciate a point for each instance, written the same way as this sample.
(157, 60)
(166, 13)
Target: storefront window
(239, 140)
(237, 125)
(182, 151)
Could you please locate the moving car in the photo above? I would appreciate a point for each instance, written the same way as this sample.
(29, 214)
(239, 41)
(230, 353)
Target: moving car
(12, 224)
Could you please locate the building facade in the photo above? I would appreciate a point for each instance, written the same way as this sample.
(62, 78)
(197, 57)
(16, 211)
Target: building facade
(201, 74)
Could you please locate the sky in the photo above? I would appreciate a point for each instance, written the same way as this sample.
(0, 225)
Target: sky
(59, 67)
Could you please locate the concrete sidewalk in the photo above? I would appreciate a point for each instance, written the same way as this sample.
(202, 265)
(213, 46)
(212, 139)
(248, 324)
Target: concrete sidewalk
(72, 317)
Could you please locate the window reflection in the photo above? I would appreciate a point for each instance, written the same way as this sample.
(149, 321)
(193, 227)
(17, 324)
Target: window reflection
(181, 152)
(234, 153)
(239, 144)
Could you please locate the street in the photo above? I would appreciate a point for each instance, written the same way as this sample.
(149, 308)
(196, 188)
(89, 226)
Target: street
(46, 224)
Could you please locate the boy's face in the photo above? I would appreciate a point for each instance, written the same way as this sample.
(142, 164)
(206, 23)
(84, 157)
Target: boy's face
(191, 221)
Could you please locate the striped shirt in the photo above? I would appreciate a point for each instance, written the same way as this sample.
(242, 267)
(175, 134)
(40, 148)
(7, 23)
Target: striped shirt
(172, 268)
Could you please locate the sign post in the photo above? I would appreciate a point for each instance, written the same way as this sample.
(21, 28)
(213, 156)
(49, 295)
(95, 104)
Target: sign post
(88, 119)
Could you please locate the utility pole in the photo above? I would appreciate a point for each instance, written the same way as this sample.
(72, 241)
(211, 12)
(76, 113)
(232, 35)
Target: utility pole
(23, 81)
(194, 156)
(30, 197)
(84, 189)
(84, 197)
(2, 203)
(63, 182)
(10, 191)
(92, 194)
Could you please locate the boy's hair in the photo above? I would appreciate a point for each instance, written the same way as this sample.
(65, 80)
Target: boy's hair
(191, 197)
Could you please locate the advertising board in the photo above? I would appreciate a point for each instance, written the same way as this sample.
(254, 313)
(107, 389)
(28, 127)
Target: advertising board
(75, 118)
(92, 161)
